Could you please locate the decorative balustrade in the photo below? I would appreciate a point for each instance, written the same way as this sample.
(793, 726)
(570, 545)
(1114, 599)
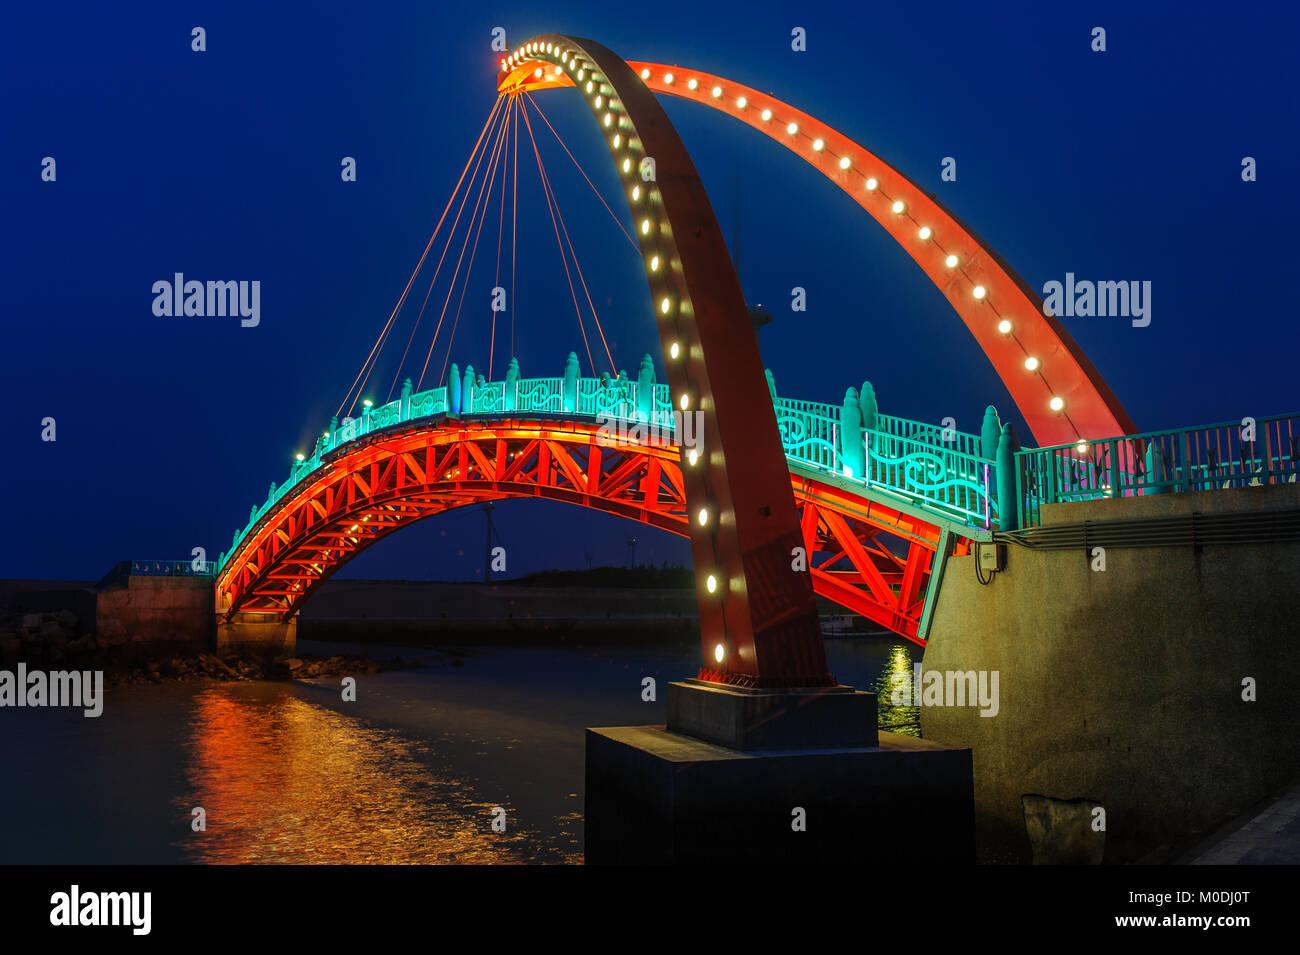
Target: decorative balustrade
(936, 475)
(921, 464)
(957, 475)
(173, 568)
(1243, 453)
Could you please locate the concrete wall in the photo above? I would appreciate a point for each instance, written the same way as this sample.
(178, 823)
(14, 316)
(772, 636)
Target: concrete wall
(76, 597)
(1125, 686)
(256, 634)
(157, 610)
(431, 600)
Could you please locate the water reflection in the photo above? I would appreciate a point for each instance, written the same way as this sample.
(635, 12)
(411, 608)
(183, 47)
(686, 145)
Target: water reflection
(904, 720)
(286, 781)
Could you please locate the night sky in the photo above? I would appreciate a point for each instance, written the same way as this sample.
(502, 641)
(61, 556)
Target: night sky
(1123, 165)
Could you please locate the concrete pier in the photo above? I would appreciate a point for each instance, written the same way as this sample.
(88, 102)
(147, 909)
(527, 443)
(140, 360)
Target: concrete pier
(152, 611)
(654, 797)
(256, 634)
(773, 776)
(1130, 686)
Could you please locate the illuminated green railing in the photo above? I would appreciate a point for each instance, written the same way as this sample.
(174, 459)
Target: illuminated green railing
(1243, 453)
(919, 464)
(173, 568)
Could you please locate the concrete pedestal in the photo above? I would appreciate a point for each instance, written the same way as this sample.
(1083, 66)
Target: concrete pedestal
(256, 634)
(658, 797)
(815, 718)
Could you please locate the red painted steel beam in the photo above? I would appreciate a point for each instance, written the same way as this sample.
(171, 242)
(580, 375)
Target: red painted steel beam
(758, 617)
(1089, 408)
(832, 521)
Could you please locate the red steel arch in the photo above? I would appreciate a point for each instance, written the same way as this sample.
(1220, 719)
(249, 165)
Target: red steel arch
(758, 615)
(374, 487)
(1061, 371)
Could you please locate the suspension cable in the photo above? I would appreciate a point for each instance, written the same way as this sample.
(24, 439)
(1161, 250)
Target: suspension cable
(487, 202)
(456, 272)
(446, 247)
(578, 268)
(452, 198)
(501, 228)
(617, 222)
(563, 258)
(514, 230)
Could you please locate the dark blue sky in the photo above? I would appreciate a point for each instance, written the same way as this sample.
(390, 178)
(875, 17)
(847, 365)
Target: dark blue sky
(225, 165)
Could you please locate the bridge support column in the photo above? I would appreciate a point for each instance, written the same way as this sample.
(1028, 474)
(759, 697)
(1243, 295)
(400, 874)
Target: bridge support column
(1128, 657)
(256, 634)
(761, 776)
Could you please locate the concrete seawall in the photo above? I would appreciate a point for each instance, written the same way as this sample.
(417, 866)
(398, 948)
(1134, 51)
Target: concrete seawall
(1125, 686)
(157, 610)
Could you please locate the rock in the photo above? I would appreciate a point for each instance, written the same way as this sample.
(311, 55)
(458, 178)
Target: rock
(1061, 830)
(10, 646)
(54, 634)
(81, 645)
(112, 634)
(31, 621)
(293, 663)
(67, 619)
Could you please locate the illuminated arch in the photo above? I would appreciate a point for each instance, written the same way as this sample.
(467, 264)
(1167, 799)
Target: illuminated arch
(373, 487)
(758, 616)
(1036, 359)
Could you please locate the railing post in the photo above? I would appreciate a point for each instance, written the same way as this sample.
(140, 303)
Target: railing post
(1268, 454)
(850, 437)
(990, 432)
(866, 457)
(453, 390)
(645, 388)
(867, 406)
(1116, 477)
(467, 390)
(1019, 503)
(1157, 470)
(1008, 445)
(1186, 450)
(510, 391)
(404, 409)
(569, 390)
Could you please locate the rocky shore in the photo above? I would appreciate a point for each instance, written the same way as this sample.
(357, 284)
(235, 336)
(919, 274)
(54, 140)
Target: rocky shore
(54, 641)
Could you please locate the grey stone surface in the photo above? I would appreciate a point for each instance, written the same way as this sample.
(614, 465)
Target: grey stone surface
(657, 797)
(1125, 686)
(1272, 837)
(828, 717)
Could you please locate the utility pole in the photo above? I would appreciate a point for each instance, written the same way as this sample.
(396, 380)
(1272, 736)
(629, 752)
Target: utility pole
(631, 552)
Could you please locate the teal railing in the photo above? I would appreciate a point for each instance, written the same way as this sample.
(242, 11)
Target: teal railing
(173, 568)
(1243, 453)
(916, 463)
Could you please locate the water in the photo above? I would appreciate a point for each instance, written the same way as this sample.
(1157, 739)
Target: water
(411, 772)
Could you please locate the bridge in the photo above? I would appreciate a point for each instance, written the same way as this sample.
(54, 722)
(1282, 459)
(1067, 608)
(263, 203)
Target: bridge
(785, 498)
(823, 481)
(878, 496)
(876, 504)
(882, 500)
